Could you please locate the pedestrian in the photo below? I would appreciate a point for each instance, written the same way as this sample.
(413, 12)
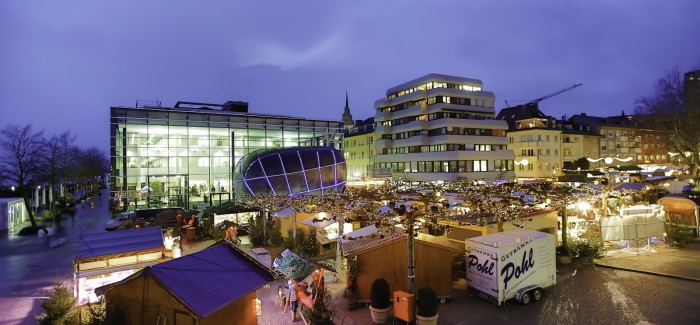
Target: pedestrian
(293, 298)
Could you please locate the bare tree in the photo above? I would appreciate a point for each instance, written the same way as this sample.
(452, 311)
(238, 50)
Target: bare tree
(20, 160)
(93, 165)
(667, 106)
(57, 152)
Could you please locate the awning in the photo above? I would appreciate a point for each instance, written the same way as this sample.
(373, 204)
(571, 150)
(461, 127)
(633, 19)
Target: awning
(634, 187)
(284, 213)
(659, 178)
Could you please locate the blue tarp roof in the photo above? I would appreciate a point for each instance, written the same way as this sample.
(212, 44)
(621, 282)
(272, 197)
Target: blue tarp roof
(631, 187)
(212, 278)
(121, 241)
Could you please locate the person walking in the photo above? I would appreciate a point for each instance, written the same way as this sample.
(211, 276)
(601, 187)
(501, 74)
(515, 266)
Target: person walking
(293, 299)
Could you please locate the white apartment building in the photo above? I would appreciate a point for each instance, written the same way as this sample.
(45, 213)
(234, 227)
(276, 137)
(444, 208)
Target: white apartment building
(440, 127)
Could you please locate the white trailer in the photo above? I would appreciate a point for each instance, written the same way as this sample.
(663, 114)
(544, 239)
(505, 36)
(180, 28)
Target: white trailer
(512, 264)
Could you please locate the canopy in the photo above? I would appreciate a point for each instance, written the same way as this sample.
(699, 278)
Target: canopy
(117, 242)
(295, 267)
(362, 232)
(635, 187)
(320, 220)
(284, 213)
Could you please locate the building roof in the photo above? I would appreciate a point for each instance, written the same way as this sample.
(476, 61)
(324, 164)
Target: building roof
(121, 241)
(207, 110)
(517, 113)
(432, 77)
(362, 232)
(284, 213)
(352, 247)
(320, 220)
(208, 280)
(627, 186)
(9, 199)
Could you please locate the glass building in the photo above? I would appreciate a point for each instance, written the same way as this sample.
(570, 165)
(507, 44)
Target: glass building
(308, 170)
(185, 156)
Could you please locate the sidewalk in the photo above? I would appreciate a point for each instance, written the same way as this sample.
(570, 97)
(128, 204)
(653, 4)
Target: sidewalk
(680, 263)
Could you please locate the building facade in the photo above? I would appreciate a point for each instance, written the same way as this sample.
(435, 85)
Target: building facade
(628, 137)
(544, 147)
(185, 155)
(359, 150)
(440, 127)
(691, 90)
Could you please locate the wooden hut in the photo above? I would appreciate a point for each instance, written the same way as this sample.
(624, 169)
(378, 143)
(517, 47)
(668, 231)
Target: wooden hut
(386, 257)
(683, 209)
(213, 286)
(107, 257)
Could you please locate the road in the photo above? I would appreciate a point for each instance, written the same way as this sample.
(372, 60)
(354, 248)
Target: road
(28, 266)
(592, 295)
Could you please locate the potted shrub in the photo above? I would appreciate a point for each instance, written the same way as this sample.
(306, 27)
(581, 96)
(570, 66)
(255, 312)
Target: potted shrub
(380, 300)
(586, 250)
(427, 306)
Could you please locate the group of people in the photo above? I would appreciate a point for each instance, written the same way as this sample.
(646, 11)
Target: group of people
(184, 222)
(294, 287)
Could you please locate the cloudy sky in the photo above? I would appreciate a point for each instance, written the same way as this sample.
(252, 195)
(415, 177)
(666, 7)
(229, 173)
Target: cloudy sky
(64, 63)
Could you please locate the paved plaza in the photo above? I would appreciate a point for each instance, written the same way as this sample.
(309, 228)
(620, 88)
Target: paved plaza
(29, 265)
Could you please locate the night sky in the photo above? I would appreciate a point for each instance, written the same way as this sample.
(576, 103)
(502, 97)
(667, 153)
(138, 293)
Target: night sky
(64, 63)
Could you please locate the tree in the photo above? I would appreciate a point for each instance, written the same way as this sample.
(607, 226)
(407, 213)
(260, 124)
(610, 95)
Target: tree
(93, 165)
(21, 156)
(57, 151)
(667, 106)
(60, 307)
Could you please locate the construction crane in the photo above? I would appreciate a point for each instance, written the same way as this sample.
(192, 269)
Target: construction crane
(535, 101)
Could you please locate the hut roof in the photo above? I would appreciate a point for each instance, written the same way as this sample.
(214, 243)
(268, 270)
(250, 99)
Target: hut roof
(208, 280)
(116, 242)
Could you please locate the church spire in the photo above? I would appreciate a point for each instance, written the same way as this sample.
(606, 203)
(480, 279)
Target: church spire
(348, 122)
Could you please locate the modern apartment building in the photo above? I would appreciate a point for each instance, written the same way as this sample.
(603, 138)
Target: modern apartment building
(185, 155)
(359, 150)
(440, 127)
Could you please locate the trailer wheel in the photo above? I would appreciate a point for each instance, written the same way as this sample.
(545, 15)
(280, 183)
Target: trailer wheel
(525, 298)
(537, 294)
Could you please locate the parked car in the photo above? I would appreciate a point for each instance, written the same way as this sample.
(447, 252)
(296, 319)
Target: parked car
(118, 219)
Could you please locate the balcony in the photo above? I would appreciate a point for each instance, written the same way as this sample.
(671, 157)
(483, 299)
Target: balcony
(382, 116)
(383, 129)
(383, 143)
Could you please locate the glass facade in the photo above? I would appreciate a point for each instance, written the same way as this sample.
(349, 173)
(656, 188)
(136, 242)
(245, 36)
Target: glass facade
(185, 157)
(309, 170)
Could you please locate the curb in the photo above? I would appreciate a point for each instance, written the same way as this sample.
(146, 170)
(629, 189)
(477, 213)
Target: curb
(648, 272)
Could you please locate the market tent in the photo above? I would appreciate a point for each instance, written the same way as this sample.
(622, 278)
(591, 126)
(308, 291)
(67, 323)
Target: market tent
(284, 213)
(634, 187)
(659, 178)
(293, 266)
